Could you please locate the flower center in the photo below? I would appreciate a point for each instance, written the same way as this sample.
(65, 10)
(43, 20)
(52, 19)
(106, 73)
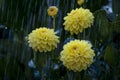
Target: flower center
(74, 48)
(78, 0)
(43, 31)
(51, 9)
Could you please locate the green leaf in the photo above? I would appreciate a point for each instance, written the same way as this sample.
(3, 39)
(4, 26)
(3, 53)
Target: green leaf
(116, 26)
(111, 55)
(101, 31)
(103, 24)
(117, 17)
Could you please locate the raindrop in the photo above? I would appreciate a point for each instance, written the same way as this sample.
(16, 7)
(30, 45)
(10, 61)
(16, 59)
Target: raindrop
(31, 64)
(5, 27)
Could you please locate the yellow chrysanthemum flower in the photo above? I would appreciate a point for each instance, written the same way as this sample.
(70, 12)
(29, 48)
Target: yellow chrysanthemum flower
(52, 11)
(80, 2)
(77, 55)
(43, 39)
(77, 20)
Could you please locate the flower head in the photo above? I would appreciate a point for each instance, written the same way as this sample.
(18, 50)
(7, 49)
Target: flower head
(80, 2)
(77, 55)
(43, 39)
(77, 20)
(52, 11)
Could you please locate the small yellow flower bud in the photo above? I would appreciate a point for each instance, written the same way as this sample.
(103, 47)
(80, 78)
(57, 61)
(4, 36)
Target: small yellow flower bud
(80, 2)
(52, 11)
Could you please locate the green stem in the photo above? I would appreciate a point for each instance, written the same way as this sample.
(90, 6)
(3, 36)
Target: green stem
(70, 75)
(54, 23)
(83, 5)
(48, 64)
(84, 34)
(53, 55)
(35, 58)
(78, 35)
